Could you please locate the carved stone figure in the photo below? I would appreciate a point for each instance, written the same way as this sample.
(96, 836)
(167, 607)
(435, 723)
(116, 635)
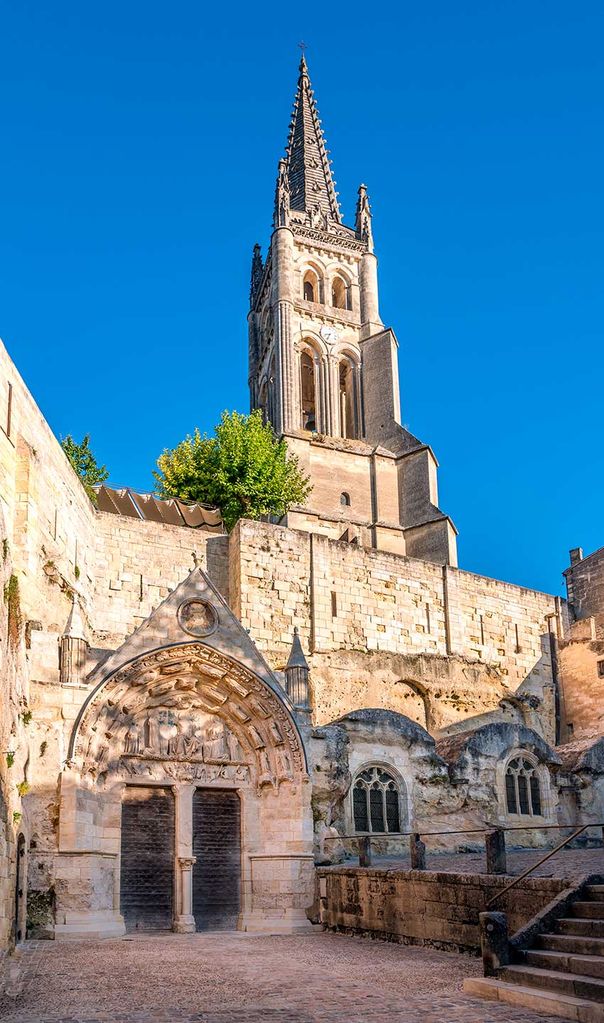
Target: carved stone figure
(215, 746)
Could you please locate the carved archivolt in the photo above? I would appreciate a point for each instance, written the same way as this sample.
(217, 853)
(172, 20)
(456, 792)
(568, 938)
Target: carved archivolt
(188, 713)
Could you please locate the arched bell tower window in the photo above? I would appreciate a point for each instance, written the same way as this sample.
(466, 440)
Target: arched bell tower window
(340, 294)
(345, 499)
(523, 794)
(376, 802)
(310, 287)
(308, 391)
(348, 403)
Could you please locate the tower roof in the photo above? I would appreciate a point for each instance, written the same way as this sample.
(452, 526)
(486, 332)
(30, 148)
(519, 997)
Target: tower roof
(308, 171)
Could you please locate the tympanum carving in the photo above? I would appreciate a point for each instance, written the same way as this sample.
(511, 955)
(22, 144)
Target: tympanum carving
(189, 713)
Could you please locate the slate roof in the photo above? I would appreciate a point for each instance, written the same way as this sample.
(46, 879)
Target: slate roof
(124, 501)
(308, 169)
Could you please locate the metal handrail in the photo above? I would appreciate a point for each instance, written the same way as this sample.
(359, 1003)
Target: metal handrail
(466, 831)
(543, 859)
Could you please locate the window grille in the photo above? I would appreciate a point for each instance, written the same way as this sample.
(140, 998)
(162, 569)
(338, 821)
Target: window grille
(376, 802)
(522, 788)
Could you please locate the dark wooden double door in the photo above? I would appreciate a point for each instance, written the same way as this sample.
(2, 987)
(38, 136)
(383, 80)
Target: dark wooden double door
(148, 858)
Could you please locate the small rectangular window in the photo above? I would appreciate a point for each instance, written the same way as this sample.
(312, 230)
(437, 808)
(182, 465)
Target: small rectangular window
(334, 605)
(428, 629)
(518, 647)
(482, 629)
(600, 669)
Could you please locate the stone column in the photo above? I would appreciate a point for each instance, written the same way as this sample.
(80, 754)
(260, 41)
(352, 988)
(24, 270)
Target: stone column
(184, 921)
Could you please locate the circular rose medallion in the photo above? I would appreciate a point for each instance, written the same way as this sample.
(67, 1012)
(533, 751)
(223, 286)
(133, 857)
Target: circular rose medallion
(197, 618)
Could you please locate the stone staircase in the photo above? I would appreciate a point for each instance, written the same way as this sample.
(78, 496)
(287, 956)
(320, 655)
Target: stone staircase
(562, 974)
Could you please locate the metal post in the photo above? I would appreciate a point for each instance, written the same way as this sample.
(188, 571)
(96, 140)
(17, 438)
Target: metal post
(494, 842)
(494, 942)
(365, 851)
(417, 850)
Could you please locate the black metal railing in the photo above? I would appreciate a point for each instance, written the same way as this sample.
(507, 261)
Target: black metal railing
(494, 840)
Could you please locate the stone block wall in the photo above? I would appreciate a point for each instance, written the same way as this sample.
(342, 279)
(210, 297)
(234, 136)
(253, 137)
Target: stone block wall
(362, 612)
(581, 661)
(138, 563)
(585, 584)
(425, 907)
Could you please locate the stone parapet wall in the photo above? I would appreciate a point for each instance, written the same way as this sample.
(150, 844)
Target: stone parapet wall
(424, 907)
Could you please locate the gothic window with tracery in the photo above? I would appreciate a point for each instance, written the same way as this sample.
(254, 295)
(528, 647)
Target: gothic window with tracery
(376, 802)
(523, 788)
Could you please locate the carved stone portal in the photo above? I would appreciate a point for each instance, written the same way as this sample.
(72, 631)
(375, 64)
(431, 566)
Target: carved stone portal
(190, 714)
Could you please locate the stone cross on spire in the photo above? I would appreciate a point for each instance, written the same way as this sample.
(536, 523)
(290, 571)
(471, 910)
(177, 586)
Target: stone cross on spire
(307, 166)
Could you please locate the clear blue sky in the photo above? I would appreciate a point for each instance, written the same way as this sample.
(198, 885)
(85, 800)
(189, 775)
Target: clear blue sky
(139, 149)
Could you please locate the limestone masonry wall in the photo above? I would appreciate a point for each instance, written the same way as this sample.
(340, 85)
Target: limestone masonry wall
(422, 907)
(484, 637)
(137, 565)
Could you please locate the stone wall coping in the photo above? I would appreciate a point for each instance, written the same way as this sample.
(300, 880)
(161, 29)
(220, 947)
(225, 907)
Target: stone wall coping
(444, 877)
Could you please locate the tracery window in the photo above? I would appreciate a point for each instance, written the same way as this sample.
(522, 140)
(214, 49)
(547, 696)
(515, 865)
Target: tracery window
(523, 788)
(376, 802)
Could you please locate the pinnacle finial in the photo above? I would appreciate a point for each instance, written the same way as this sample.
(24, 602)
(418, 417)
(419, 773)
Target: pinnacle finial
(303, 66)
(296, 655)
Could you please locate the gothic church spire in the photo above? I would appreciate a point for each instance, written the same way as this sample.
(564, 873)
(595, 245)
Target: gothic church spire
(307, 167)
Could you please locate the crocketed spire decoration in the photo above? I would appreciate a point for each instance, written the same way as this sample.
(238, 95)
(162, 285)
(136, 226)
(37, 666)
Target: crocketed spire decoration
(257, 271)
(307, 166)
(363, 218)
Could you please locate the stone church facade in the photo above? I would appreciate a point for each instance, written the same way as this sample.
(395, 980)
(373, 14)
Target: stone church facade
(188, 719)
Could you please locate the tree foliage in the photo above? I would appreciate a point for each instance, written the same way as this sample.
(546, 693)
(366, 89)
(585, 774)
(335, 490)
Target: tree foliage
(243, 470)
(85, 464)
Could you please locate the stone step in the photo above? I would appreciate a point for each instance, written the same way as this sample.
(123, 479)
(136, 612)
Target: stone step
(592, 909)
(550, 1003)
(574, 944)
(595, 891)
(574, 984)
(581, 925)
(589, 966)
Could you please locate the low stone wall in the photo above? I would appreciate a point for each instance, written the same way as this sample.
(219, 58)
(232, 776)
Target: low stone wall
(424, 907)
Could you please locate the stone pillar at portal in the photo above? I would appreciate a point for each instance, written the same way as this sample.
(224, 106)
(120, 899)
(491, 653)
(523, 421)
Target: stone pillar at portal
(184, 921)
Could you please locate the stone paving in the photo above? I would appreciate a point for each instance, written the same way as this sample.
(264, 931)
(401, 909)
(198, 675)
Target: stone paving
(227, 977)
(571, 863)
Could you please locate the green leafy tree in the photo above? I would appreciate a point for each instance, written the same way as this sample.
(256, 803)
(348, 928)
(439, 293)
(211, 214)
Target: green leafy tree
(85, 464)
(243, 470)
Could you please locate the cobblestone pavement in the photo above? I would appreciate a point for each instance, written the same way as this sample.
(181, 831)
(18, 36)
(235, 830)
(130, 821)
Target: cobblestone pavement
(229, 977)
(570, 863)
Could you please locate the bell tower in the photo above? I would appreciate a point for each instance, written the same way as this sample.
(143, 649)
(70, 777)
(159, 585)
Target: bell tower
(322, 365)
(315, 301)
